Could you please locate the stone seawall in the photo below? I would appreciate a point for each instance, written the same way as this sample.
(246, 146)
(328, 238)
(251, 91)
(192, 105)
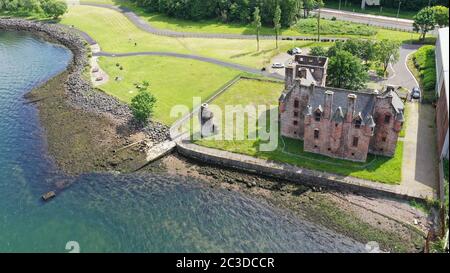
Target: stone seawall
(289, 172)
(81, 93)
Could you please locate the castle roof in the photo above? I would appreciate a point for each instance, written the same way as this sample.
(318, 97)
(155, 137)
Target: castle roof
(363, 105)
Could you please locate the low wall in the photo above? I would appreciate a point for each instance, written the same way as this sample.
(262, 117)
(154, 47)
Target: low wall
(288, 172)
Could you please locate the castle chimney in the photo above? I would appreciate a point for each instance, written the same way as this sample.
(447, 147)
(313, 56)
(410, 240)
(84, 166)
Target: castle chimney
(289, 77)
(328, 104)
(351, 101)
(302, 73)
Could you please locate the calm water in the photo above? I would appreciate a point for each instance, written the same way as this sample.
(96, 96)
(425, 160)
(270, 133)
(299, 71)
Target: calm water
(120, 213)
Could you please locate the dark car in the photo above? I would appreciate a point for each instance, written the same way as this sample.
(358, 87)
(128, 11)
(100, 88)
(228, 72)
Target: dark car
(416, 93)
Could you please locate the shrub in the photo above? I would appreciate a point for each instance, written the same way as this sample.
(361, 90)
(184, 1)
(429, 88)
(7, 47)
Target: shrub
(318, 51)
(309, 25)
(143, 103)
(425, 62)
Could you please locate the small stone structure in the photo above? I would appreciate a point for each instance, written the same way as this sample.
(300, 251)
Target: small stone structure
(337, 122)
(206, 119)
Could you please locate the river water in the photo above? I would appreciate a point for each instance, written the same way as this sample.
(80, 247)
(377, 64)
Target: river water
(120, 213)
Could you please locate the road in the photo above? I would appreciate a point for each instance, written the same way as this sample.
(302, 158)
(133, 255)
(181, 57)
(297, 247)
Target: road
(374, 20)
(399, 73)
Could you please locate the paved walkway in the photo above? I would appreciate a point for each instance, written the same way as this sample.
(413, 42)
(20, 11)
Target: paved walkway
(293, 173)
(194, 57)
(420, 165)
(146, 26)
(374, 20)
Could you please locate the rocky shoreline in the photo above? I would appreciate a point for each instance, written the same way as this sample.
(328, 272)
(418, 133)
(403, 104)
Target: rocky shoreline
(81, 94)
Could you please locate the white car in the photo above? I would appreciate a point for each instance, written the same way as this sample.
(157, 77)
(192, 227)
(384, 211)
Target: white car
(296, 50)
(277, 65)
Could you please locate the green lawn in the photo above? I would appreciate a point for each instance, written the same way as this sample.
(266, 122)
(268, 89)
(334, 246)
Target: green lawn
(405, 115)
(382, 169)
(115, 33)
(305, 27)
(172, 80)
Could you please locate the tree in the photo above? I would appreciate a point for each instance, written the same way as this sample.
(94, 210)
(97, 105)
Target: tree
(299, 8)
(441, 15)
(257, 24)
(318, 51)
(424, 21)
(142, 104)
(387, 51)
(54, 8)
(346, 71)
(276, 22)
(308, 5)
(332, 51)
(367, 50)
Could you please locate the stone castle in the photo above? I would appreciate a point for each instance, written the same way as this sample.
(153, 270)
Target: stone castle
(336, 122)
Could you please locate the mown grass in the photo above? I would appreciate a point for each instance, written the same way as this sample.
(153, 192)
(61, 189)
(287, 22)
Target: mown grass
(245, 92)
(305, 27)
(405, 115)
(115, 33)
(173, 81)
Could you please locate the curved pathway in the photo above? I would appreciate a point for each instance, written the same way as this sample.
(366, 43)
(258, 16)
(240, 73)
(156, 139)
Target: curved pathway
(147, 27)
(193, 57)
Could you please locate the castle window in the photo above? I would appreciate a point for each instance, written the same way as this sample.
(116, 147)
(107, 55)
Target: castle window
(383, 139)
(355, 141)
(357, 123)
(336, 124)
(295, 114)
(387, 119)
(295, 122)
(317, 115)
(316, 133)
(296, 103)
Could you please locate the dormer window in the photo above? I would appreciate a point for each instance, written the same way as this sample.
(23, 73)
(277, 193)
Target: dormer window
(387, 119)
(357, 123)
(317, 115)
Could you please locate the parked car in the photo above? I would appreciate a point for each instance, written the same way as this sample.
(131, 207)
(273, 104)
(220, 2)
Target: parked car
(277, 65)
(416, 93)
(294, 51)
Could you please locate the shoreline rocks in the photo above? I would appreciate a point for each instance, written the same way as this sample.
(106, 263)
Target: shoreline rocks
(81, 94)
